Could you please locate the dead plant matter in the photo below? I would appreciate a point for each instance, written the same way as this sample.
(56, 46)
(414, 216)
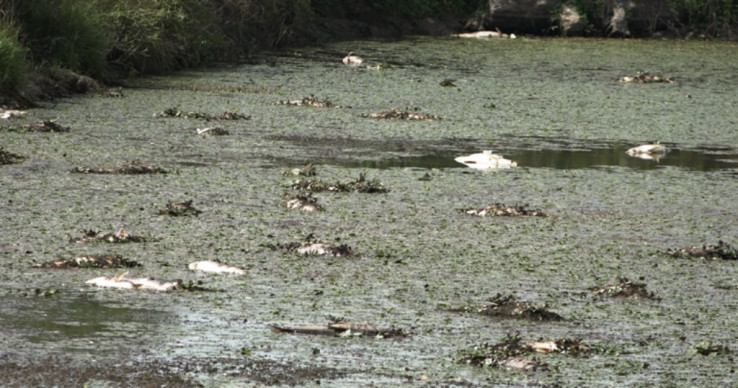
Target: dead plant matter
(625, 289)
(401, 114)
(361, 185)
(310, 101)
(174, 112)
(93, 261)
(503, 210)
(508, 307)
(720, 251)
(179, 209)
(134, 167)
(121, 237)
(343, 329)
(9, 158)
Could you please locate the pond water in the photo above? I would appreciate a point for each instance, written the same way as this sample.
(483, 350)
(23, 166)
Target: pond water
(554, 106)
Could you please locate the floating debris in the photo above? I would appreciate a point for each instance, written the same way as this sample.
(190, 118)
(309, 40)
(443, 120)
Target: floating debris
(310, 246)
(352, 60)
(485, 35)
(45, 126)
(121, 237)
(343, 329)
(361, 185)
(513, 354)
(210, 266)
(398, 113)
(380, 66)
(6, 114)
(179, 209)
(94, 261)
(306, 170)
(114, 92)
(625, 289)
(503, 210)
(485, 160)
(305, 202)
(310, 101)
(647, 78)
(9, 158)
(720, 251)
(707, 348)
(653, 151)
(174, 112)
(508, 307)
(121, 282)
(448, 83)
(215, 131)
(135, 167)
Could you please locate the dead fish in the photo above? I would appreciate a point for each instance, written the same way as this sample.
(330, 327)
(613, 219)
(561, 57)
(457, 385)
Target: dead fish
(216, 131)
(646, 78)
(647, 151)
(485, 160)
(215, 267)
(485, 35)
(520, 363)
(306, 203)
(558, 346)
(121, 282)
(352, 60)
(6, 114)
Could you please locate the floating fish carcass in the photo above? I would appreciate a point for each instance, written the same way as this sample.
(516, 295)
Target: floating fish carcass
(352, 60)
(647, 151)
(11, 113)
(210, 266)
(485, 35)
(485, 160)
(342, 329)
(121, 282)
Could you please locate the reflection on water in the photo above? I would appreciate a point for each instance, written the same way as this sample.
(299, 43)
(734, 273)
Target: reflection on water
(567, 160)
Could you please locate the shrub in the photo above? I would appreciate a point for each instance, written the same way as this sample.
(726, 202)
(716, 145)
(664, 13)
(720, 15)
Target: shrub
(13, 56)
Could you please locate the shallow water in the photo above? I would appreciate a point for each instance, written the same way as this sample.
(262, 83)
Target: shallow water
(552, 105)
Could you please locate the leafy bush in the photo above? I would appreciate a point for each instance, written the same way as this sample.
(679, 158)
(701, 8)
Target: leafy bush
(13, 62)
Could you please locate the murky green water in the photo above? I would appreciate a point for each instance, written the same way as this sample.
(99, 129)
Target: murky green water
(558, 111)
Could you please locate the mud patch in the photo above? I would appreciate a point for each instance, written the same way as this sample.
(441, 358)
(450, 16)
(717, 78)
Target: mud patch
(508, 307)
(720, 251)
(179, 209)
(343, 329)
(94, 261)
(121, 237)
(134, 167)
(626, 289)
(503, 210)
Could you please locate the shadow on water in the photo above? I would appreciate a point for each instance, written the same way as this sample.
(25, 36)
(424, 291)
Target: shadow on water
(566, 160)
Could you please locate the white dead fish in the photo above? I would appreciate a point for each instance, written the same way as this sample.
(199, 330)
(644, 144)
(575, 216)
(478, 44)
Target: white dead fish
(485, 35)
(485, 160)
(121, 282)
(352, 60)
(217, 131)
(215, 267)
(648, 151)
(11, 113)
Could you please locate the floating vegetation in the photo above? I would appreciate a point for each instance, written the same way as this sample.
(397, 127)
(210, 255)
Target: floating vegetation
(720, 251)
(513, 354)
(94, 261)
(135, 167)
(210, 266)
(179, 209)
(9, 158)
(503, 210)
(121, 237)
(343, 329)
(647, 78)
(707, 348)
(214, 131)
(625, 289)
(174, 112)
(400, 114)
(310, 101)
(361, 185)
(121, 282)
(306, 170)
(508, 307)
(305, 202)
